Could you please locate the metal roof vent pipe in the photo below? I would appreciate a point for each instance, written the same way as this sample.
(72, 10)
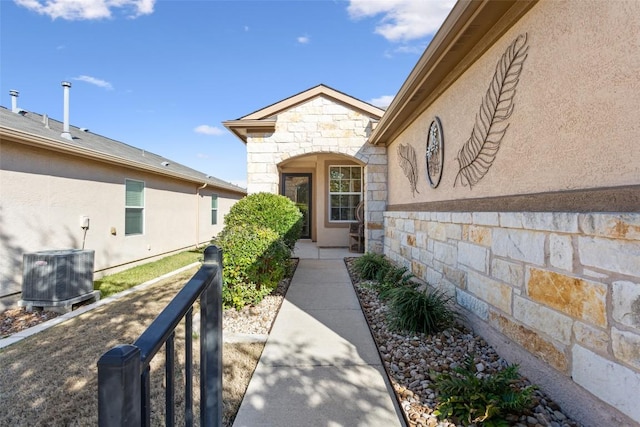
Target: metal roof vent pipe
(14, 100)
(65, 129)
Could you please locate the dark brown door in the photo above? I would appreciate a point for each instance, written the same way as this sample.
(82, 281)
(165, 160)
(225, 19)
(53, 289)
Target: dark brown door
(297, 187)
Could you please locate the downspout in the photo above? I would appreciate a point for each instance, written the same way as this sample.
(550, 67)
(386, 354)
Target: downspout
(198, 213)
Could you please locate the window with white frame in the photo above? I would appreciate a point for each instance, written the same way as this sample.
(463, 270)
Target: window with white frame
(214, 209)
(134, 207)
(345, 192)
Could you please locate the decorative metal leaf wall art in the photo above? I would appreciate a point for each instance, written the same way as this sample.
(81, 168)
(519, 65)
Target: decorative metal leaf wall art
(477, 154)
(435, 152)
(409, 164)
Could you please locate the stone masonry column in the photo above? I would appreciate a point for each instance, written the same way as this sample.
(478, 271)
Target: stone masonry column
(262, 169)
(375, 196)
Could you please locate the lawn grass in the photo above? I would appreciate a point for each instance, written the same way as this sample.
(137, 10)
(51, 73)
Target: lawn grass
(118, 282)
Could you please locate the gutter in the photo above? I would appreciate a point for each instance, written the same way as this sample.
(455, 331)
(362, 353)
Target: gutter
(79, 151)
(198, 212)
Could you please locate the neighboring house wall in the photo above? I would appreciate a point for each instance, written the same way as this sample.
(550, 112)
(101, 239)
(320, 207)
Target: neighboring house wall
(309, 136)
(525, 250)
(45, 194)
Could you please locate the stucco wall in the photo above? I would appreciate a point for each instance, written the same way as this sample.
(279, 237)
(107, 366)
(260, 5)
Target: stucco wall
(562, 284)
(321, 126)
(324, 233)
(574, 123)
(44, 194)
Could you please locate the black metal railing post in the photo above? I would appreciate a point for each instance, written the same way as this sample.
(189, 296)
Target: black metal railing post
(211, 344)
(124, 372)
(119, 387)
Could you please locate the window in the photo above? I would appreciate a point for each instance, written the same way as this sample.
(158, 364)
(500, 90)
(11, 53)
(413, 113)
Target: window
(345, 192)
(134, 207)
(214, 209)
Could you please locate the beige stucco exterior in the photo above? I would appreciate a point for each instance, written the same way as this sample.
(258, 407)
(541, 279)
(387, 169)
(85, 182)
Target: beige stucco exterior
(45, 193)
(574, 123)
(543, 253)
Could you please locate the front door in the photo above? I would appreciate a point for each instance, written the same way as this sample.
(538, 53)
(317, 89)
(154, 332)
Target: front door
(297, 187)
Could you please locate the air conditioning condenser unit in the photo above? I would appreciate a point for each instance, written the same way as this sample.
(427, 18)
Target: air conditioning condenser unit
(57, 279)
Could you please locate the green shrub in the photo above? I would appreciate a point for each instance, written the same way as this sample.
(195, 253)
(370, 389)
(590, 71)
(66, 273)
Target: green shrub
(370, 265)
(268, 210)
(485, 400)
(411, 309)
(240, 295)
(255, 259)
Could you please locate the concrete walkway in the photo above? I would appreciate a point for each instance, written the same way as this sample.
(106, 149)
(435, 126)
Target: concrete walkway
(320, 366)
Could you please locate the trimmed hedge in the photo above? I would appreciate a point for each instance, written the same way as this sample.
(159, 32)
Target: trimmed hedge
(276, 212)
(255, 259)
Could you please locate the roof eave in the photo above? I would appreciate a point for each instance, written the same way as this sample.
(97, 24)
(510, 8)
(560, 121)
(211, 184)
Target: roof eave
(243, 127)
(16, 135)
(470, 29)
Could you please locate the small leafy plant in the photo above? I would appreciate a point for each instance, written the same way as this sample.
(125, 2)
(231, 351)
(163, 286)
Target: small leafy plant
(484, 401)
(414, 310)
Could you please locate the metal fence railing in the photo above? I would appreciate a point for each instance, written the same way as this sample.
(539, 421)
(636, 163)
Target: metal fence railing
(124, 371)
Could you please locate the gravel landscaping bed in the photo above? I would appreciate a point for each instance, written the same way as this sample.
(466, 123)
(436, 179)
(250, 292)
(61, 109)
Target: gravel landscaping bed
(412, 362)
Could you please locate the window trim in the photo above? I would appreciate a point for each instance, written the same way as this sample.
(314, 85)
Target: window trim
(141, 208)
(350, 193)
(217, 197)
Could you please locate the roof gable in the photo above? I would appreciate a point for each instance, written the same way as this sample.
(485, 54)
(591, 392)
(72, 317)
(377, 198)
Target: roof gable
(320, 90)
(263, 120)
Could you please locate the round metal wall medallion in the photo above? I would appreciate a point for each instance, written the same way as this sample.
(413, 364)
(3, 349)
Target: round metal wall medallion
(435, 152)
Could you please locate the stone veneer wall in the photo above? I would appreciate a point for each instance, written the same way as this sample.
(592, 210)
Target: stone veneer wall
(563, 286)
(321, 125)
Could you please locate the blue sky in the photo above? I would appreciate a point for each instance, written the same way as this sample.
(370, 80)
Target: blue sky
(162, 75)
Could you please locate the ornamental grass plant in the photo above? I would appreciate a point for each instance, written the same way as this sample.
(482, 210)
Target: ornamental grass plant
(371, 266)
(414, 310)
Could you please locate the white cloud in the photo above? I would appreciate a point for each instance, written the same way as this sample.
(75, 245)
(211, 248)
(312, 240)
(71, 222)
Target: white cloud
(403, 20)
(415, 49)
(77, 10)
(382, 102)
(95, 81)
(202, 156)
(208, 130)
(303, 39)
